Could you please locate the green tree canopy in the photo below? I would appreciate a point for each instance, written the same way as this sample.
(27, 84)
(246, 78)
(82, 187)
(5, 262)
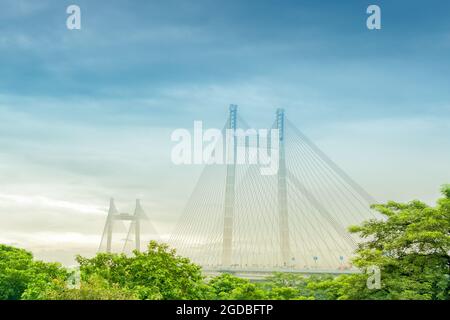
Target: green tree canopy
(19, 273)
(94, 288)
(157, 273)
(411, 247)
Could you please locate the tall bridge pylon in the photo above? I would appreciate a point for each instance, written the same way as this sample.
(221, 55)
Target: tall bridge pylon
(282, 192)
(297, 219)
(231, 152)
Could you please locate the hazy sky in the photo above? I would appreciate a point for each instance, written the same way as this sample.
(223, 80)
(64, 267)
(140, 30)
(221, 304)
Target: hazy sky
(87, 114)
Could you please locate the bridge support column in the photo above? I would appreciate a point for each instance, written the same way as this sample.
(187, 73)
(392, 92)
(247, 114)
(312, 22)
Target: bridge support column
(109, 237)
(109, 224)
(282, 193)
(137, 235)
(231, 150)
(139, 215)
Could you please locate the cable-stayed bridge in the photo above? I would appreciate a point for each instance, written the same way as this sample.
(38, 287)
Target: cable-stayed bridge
(240, 220)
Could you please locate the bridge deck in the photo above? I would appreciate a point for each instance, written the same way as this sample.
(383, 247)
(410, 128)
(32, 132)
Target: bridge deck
(265, 272)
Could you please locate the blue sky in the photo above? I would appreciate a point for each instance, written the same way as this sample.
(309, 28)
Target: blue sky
(87, 114)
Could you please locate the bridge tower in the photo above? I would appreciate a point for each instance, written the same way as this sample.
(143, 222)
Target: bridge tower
(282, 192)
(112, 212)
(139, 214)
(114, 215)
(231, 150)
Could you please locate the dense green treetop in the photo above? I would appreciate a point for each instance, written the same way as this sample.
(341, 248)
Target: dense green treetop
(158, 273)
(19, 273)
(411, 247)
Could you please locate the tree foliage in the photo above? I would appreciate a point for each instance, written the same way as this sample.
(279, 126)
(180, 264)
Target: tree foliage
(157, 273)
(94, 288)
(411, 247)
(19, 274)
(229, 287)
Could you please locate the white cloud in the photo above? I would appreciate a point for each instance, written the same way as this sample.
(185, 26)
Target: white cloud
(42, 202)
(52, 240)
